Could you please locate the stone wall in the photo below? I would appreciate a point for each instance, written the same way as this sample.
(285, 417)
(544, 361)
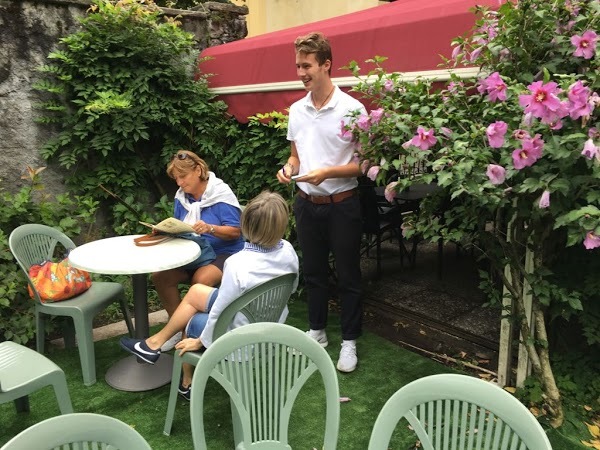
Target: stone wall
(30, 30)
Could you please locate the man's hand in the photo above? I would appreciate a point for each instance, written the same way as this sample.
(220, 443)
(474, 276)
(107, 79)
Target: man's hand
(284, 174)
(315, 177)
(188, 345)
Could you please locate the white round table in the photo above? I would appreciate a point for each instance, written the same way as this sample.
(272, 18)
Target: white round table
(120, 255)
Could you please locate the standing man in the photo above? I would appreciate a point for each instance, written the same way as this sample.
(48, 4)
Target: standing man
(327, 208)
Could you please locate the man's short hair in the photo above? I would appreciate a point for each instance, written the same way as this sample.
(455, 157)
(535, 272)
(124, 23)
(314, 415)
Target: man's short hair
(316, 43)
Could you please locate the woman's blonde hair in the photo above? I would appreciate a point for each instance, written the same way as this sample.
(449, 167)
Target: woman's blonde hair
(184, 161)
(265, 219)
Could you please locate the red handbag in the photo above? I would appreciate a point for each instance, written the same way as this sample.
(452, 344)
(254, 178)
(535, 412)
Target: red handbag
(56, 281)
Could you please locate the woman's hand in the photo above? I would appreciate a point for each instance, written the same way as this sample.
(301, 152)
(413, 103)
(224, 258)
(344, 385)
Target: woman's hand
(201, 227)
(188, 345)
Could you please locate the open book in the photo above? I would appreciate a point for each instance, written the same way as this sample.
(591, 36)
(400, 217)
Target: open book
(171, 226)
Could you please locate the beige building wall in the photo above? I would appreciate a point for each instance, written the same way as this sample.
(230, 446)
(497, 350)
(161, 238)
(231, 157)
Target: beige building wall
(271, 15)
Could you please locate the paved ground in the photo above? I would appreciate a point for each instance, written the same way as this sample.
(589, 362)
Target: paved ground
(118, 328)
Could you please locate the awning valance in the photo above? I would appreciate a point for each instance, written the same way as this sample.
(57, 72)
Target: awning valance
(258, 74)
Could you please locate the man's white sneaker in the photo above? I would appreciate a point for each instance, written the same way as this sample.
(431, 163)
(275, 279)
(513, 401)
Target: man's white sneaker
(320, 336)
(170, 344)
(348, 359)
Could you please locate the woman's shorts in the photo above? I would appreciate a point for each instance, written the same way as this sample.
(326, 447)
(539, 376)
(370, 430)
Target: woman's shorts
(197, 323)
(219, 263)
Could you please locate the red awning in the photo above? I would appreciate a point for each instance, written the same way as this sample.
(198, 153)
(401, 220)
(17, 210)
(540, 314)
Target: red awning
(258, 74)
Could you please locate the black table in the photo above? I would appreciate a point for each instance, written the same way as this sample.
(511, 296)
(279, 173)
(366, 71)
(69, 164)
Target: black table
(409, 200)
(414, 193)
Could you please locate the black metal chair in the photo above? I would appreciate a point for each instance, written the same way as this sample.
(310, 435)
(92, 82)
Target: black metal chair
(381, 220)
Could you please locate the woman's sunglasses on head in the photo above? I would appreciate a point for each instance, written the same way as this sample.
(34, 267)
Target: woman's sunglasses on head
(181, 156)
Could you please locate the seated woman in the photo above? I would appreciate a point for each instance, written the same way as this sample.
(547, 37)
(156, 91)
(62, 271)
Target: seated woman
(210, 206)
(265, 256)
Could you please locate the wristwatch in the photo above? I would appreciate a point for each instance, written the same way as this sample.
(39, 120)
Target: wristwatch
(212, 229)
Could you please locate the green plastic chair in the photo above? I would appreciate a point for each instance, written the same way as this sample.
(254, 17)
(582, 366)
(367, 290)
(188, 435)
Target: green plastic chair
(23, 371)
(451, 411)
(31, 244)
(263, 367)
(79, 431)
(263, 303)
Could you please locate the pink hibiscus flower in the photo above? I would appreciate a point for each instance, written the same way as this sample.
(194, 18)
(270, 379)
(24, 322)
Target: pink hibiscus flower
(364, 166)
(578, 104)
(475, 54)
(591, 241)
(556, 125)
(424, 139)
(585, 45)
(590, 150)
(573, 8)
(543, 102)
(390, 191)
(522, 158)
(363, 122)
(495, 133)
(345, 131)
(537, 145)
(455, 51)
(529, 154)
(494, 86)
(446, 131)
(488, 32)
(496, 174)
(521, 134)
(372, 173)
(376, 115)
(544, 200)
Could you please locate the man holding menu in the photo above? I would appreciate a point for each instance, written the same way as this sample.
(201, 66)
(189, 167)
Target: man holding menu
(327, 208)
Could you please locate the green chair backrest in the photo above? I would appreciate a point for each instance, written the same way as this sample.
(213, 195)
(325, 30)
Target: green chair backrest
(78, 431)
(263, 303)
(452, 411)
(34, 243)
(263, 367)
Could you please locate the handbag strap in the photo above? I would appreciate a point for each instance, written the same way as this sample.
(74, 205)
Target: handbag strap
(151, 239)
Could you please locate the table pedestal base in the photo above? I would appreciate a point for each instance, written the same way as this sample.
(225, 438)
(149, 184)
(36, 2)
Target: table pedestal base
(130, 375)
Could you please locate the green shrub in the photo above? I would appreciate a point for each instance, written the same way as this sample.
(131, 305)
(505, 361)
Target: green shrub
(123, 98)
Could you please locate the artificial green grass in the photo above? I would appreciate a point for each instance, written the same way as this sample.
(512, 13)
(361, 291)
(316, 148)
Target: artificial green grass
(383, 368)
